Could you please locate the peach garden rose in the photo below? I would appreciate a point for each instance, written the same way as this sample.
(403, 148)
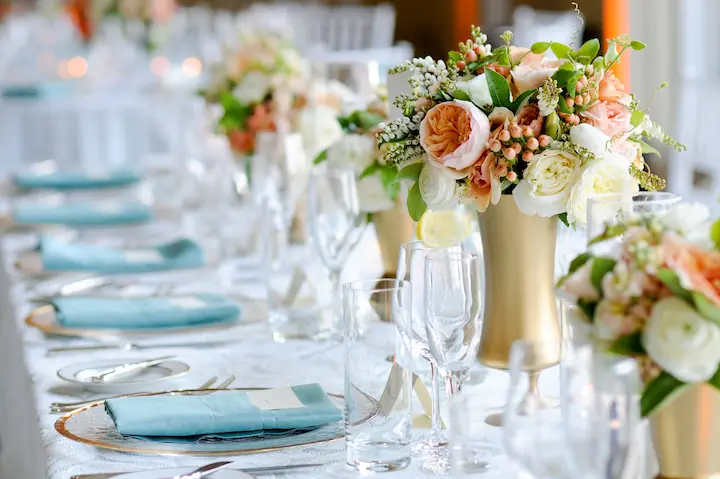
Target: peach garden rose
(610, 117)
(698, 268)
(454, 135)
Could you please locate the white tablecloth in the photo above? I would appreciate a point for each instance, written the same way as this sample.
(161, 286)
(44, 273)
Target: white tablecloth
(255, 359)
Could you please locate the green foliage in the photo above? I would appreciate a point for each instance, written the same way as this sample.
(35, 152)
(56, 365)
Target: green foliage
(415, 203)
(360, 120)
(502, 55)
(715, 380)
(461, 95)
(600, 267)
(373, 168)
(499, 89)
(599, 63)
(455, 56)
(706, 308)
(670, 279)
(553, 129)
(410, 172)
(630, 345)
(387, 178)
(521, 99)
(560, 50)
(610, 232)
(540, 47)
(588, 51)
(649, 150)
(588, 308)
(235, 114)
(322, 156)
(715, 234)
(563, 106)
(637, 117)
(563, 217)
(637, 45)
(658, 391)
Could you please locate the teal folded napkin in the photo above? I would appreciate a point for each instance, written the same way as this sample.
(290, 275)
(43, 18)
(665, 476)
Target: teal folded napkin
(225, 414)
(58, 255)
(68, 180)
(144, 313)
(36, 90)
(83, 214)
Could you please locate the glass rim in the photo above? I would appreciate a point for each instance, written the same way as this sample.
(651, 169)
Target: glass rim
(357, 285)
(665, 196)
(463, 255)
(409, 244)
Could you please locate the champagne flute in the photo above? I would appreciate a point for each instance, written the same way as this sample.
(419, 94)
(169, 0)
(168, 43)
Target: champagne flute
(336, 224)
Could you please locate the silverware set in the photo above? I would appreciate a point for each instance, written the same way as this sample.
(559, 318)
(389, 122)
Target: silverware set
(204, 388)
(247, 470)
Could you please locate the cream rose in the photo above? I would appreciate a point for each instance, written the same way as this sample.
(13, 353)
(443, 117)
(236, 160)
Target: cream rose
(372, 195)
(681, 341)
(547, 182)
(588, 137)
(437, 189)
(252, 88)
(478, 90)
(454, 134)
(353, 151)
(532, 71)
(609, 174)
(319, 129)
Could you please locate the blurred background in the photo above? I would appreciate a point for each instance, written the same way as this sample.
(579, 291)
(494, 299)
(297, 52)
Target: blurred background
(85, 89)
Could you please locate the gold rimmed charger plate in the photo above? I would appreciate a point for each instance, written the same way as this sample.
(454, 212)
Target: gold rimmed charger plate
(44, 318)
(92, 425)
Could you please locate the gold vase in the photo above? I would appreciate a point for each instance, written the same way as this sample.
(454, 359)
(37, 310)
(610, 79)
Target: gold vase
(519, 257)
(686, 434)
(393, 228)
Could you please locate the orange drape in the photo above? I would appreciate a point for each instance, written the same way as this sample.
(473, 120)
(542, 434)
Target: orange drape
(616, 21)
(465, 13)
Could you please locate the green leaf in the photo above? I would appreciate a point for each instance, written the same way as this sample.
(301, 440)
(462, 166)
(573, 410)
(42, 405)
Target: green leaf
(715, 380)
(553, 129)
(472, 66)
(540, 47)
(461, 95)
(599, 63)
(630, 345)
(345, 123)
(658, 391)
(582, 59)
(563, 76)
(600, 267)
(455, 56)
(588, 308)
(415, 203)
(564, 217)
(670, 279)
(502, 55)
(579, 262)
(572, 83)
(410, 172)
(637, 45)
(387, 178)
(715, 234)
(563, 106)
(647, 149)
(322, 156)
(569, 66)
(637, 117)
(521, 99)
(610, 232)
(499, 89)
(706, 308)
(589, 49)
(366, 120)
(560, 50)
(611, 54)
(373, 168)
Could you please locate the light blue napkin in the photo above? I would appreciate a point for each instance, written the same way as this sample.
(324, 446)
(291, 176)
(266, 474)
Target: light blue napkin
(36, 90)
(82, 214)
(69, 180)
(144, 313)
(58, 255)
(227, 415)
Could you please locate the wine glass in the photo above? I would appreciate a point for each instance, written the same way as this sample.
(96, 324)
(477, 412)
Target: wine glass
(453, 319)
(336, 223)
(411, 267)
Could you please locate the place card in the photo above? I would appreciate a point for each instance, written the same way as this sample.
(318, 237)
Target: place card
(392, 397)
(273, 399)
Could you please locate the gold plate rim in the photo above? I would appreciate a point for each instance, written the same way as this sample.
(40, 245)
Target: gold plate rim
(57, 329)
(62, 430)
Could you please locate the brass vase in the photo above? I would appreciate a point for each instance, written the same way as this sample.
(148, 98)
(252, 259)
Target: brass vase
(519, 257)
(393, 228)
(686, 434)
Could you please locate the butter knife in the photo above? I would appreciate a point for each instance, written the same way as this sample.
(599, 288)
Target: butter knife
(119, 371)
(249, 470)
(203, 471)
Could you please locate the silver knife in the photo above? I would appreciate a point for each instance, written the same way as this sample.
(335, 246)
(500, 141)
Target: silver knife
(123, 369)
(137, 347)
(203, 471)
(249, 470)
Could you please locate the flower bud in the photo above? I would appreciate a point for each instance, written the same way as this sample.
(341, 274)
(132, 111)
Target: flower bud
(509, 153)
(527, 156)
(479, 50)
(517, 147)
(533, 143)
(504, 135)
(515, 131)
(511, 176)
(471, 56)
(527, 131)
(552, 127)
(461, 65)
(544, 140)
(579, 100)
(495, 146)
(570, 102)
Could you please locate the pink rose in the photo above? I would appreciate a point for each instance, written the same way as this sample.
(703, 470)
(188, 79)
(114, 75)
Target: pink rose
(530, 116)
(612, 118)
(698, 268)
(610, 88)
(533, 69)
(579, 285)
(484, 185)
(454, 135)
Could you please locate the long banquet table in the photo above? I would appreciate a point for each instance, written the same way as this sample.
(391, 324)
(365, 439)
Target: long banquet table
(255, 359)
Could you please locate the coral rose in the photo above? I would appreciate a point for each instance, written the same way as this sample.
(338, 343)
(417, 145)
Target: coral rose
(610, 88)
(261, 119)
(698, 268)
(241, 141)
(610, 117)
(484, 185)
(530, 116)
(454, 135)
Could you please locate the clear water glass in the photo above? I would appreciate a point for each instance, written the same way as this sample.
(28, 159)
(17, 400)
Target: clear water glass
(471, 438)
(336, 223)
(377, 392)
(411, 267)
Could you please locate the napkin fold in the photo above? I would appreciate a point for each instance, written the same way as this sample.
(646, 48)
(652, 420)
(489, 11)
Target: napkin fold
(82, 214)
(224, 414)
(58, 255)
(144, 313)
(68, 180)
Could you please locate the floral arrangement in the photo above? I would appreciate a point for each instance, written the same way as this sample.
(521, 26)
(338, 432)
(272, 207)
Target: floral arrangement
(655, 295)
(263, 75)
(549, 131)
(357, 149)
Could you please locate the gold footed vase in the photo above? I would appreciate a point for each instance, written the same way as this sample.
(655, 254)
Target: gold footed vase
(393, 228)
(686, 434)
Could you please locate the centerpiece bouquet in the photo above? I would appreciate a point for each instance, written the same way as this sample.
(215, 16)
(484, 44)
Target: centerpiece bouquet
(515, 121)
(654, 295)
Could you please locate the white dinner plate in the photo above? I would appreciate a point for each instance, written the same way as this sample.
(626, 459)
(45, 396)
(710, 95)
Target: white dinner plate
(162, 473)
(80, 374)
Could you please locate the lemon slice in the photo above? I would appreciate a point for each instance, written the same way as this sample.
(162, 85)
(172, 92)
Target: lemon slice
(442, 228)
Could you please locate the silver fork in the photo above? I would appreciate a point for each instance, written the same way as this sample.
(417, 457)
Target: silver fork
(58, 407)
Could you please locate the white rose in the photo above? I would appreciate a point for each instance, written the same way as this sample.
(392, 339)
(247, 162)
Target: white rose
(319, 129)
(690, 220)
(353, 151)
(681, 341)
(547, 182)
(372, 195)
(437, 189)
(478, 90)
(609, 174)
(253, 88)
(590, 138)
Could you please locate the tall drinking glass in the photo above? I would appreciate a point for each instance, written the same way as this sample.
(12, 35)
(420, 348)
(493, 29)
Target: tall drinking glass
(453, 320)
(411, 267)
(336, 223)
(377, 393)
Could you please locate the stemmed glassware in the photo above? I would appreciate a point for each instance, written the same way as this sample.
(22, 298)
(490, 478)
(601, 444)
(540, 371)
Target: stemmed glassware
(411, 267)
(453, 319)
(336, 224)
